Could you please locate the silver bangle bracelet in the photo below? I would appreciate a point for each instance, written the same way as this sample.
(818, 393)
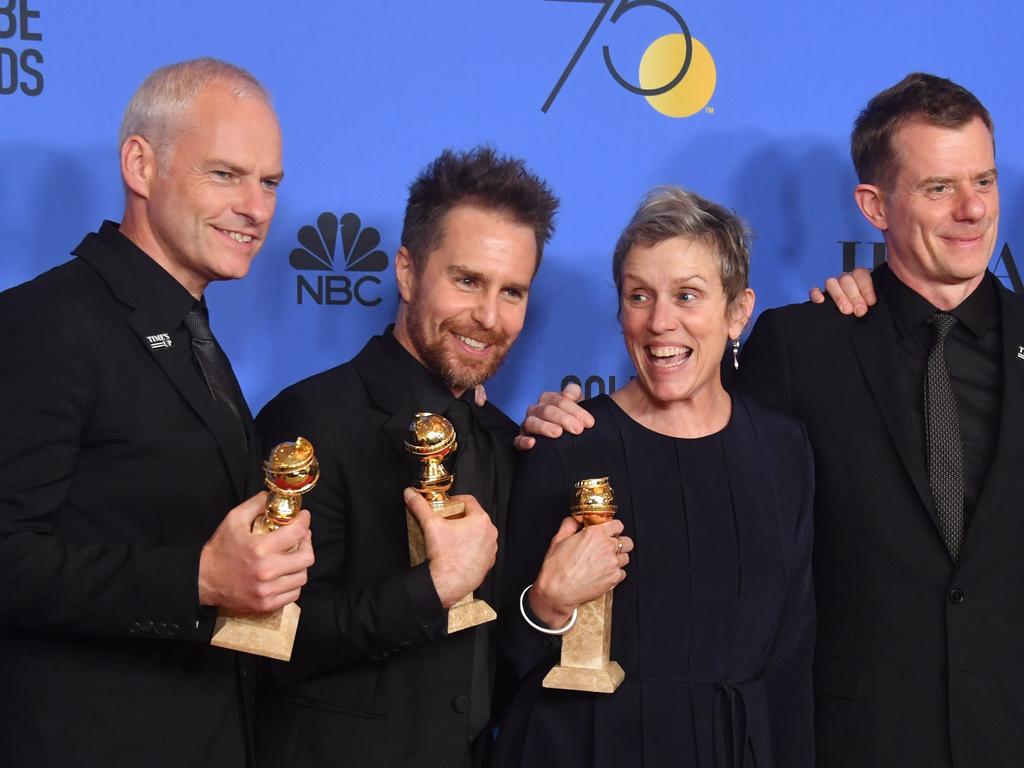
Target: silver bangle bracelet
(569, 624)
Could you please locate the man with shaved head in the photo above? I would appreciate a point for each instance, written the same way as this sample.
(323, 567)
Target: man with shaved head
(128, 459)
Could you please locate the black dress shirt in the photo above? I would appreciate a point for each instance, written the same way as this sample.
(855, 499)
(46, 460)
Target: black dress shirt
(975, 368)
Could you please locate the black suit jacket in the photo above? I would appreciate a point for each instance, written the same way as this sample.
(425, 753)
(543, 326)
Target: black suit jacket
(374, 679)
(115, 467)
(920, 661)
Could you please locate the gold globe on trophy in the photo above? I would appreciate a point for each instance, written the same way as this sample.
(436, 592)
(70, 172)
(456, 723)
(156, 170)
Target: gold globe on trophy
(431, 439)
(290, 471)
(585, 664)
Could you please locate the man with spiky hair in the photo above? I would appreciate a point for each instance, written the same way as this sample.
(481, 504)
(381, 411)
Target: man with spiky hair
(375, 679)
(128, 459)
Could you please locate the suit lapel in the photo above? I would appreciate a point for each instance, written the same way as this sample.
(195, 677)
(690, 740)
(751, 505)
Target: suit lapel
(178, 366)
(386, 387)
(122, 277)
(875, 346)
(1009, 455)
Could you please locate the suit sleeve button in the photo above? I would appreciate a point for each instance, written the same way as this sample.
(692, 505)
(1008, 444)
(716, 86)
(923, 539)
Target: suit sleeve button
(173, 629)
(134, 628)
(461, 704)
(160, 627)
(956, 596)
(147, 626)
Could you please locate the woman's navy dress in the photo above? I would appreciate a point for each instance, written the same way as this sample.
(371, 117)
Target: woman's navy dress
(714, 623)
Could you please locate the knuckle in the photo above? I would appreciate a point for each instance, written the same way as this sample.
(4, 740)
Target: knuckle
(260, 549)
(268, 604)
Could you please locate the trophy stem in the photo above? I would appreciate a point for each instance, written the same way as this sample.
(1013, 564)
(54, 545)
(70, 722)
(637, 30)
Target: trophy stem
(467, 612)
(586, 650)
(263, 634)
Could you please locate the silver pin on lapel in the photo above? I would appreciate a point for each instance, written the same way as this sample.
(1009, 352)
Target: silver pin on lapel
(159, 341)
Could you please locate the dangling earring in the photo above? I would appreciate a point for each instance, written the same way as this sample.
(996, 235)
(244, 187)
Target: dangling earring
(736, 354)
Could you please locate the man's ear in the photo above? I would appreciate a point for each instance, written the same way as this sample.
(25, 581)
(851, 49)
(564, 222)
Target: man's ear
(405, 274)
(138, 165)
(870, 199)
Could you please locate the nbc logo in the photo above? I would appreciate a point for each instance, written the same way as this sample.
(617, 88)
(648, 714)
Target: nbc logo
(320, 248)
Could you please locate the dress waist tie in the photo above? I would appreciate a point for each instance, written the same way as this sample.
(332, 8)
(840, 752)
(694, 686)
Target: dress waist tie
(729, 725)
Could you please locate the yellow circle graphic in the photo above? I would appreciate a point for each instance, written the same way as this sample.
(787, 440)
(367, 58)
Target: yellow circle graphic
(660, 64)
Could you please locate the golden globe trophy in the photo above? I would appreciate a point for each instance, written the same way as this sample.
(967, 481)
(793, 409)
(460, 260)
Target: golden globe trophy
(586, 648)
(291, 471)
(431, 439)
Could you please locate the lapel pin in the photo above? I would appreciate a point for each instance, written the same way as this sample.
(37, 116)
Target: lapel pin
(159, 341)
(1020, 352)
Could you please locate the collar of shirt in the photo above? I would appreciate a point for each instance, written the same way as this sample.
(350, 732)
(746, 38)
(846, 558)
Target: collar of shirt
(166, 298)
(431, 394)
(910, 310)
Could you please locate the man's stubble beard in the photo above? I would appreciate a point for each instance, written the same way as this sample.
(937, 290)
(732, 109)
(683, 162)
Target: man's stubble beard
(443, 363)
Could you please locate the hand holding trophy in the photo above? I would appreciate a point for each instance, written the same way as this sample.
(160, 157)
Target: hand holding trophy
(291, 471)
(431, 439)
(586, 648)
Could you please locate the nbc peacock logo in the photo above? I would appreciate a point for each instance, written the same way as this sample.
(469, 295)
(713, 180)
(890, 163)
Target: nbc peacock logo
(322, 246)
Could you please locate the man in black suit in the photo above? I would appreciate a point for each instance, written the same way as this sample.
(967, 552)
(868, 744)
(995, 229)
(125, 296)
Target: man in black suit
(919, 538)
(375, 679)
(127, 464)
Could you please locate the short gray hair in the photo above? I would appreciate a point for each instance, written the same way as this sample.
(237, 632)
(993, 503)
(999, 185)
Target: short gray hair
(156, 108)
(668, 212)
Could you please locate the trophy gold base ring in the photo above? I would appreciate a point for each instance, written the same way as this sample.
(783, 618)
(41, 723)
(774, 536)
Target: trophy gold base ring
(431, 438)
(291, 471)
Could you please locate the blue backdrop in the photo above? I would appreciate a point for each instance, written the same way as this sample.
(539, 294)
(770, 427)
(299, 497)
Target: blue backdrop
(368, 92)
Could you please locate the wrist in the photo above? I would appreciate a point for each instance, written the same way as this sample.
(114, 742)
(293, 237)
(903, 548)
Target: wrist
(530, 617)
(545, 604)
(205, 592)
(443, 585)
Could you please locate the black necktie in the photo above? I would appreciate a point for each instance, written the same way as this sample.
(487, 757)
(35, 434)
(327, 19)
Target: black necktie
(214, 364)
(942, 439)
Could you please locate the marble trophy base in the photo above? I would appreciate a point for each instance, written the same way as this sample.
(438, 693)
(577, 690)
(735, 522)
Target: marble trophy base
(263, 634)
(467, 612)
(585, 663)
